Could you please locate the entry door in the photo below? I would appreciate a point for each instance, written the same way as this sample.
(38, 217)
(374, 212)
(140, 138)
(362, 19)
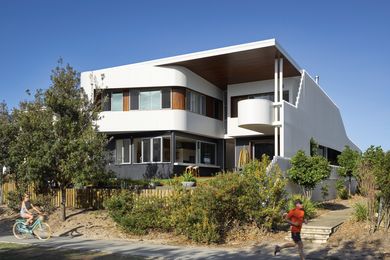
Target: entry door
(263, 148)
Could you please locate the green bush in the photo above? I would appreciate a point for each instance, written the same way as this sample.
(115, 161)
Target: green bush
(44, 203)
(341, 190)
(309, 206)
(360, 211)
(188, 177)
(207, 213)
(137, 214)
(14, 200)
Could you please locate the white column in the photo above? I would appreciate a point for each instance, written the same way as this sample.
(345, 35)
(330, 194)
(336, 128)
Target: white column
(276, 99)
(281, 108)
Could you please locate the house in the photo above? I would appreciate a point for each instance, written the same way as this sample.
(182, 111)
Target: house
(208, 108)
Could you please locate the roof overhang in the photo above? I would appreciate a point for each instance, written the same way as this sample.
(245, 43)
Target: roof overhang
(236, 64)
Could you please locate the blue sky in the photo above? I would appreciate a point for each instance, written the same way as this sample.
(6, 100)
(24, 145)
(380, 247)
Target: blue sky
(345, 42)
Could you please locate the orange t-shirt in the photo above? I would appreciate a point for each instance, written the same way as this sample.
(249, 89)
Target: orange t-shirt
(296, 215)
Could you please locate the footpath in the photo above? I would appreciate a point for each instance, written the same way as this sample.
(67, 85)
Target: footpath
(152, 250)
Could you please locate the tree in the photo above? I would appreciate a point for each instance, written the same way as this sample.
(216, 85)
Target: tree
(78, 149)
(56, 138)
(6, 136)
(29, 157)
(307, 172)
(348, 161)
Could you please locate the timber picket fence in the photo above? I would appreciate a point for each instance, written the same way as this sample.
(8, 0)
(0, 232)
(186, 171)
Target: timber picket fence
(85, 197)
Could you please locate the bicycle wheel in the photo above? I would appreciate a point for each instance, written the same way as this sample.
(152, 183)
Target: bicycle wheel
(17, 229)
(42, 231)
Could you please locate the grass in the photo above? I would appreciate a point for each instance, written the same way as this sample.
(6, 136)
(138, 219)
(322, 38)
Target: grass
(15, 251)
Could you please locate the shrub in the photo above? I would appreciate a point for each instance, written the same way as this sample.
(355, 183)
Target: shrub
(188, 177)
(309, 206)
(341, 190)
(360, 211)
(138, 214)
(14, 200)
(44, 203)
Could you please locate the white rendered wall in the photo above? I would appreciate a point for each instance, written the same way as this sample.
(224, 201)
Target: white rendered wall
(160, 120)
(315, 116)
(250, 88)
(146, 77)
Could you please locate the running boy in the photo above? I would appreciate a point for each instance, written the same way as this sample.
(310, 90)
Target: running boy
(295, 218)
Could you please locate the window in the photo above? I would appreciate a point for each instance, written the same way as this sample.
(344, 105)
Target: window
(137, 143)
(106, 101)
(150, 100)
(134, 99)
(192, 151)
(122, 151)
(185, 150)
(196, 102)
(156, 149)
(166, 98)
(166, 149)
(145, 150)
(117, 101)
(207, 152)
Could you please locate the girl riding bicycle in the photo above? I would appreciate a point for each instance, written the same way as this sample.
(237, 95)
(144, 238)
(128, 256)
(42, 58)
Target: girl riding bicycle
(25, 210)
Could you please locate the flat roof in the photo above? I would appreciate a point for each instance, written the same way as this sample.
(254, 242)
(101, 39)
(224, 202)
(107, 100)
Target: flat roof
(235, 64)
(241, 63)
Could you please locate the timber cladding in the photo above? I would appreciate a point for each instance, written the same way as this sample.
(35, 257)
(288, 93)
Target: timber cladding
(178, 98)
(126, 100)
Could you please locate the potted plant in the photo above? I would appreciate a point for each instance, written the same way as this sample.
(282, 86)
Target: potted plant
(188, 180)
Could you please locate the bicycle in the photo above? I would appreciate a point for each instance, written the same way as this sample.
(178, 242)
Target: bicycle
(39, 228)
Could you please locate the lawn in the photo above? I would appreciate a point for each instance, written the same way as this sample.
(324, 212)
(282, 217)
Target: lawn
(14, 251)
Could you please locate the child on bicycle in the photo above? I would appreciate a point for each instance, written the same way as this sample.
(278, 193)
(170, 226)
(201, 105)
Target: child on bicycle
(25, 210)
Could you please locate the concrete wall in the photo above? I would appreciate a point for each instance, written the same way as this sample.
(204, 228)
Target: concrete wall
(146, 77)
(250, 88)
(160, 120)
(284, 164)
(314, 116)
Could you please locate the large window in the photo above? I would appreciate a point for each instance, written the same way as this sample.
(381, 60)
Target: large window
(193, 151)
(150, 100)
(196, 102)
(185, 150)
(207, 153)
(117, 101)
(122, 151)
(157, 149)
(166, 98)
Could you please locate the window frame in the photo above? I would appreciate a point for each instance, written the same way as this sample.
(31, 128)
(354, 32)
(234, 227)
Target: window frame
(123, 151)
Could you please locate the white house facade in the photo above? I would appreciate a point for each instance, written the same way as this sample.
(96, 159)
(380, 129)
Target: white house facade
(204, 109)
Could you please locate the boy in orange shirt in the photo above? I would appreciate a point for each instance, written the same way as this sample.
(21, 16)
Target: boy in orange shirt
(295, 218)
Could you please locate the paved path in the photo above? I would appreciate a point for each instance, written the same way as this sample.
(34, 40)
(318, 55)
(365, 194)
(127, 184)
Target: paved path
(158, 251)
(331, 219)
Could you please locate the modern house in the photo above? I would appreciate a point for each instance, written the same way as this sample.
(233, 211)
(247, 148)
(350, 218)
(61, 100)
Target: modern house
(206, 108)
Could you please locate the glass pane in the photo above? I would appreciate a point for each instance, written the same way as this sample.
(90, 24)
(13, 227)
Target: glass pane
(117, 101)
(155, 99)
(207, 153)
(106, 101)
(185, 150)
(126, 150)
(188, 100)
(118, 151)
(144, 100)
(137, 151)
(166, 98)
(146, 150)
(134, 99)
(156, 149)
(166, 149)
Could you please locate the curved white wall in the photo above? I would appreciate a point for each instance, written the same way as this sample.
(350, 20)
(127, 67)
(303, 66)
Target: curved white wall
(146, 77)
(256, 115)
(160, 120)
(316, 116)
